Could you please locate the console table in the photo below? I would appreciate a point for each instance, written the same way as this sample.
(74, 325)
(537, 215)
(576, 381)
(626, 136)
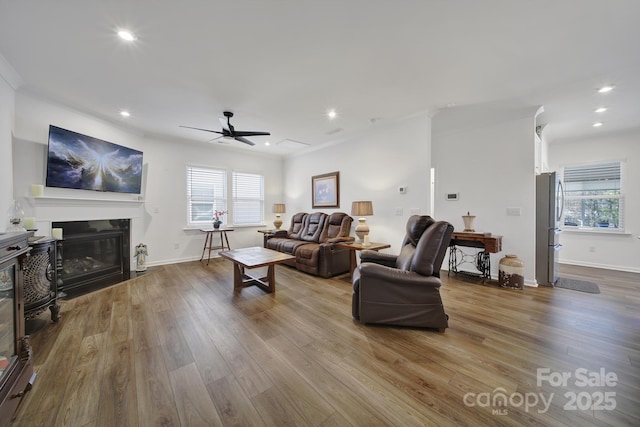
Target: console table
(482, 261)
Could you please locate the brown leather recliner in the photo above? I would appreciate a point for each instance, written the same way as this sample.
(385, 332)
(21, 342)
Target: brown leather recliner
(405, 289)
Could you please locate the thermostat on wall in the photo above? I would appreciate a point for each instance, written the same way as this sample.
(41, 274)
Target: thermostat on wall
(453, 196)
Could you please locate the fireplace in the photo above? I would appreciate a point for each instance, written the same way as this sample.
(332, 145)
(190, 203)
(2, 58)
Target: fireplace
(95, 254)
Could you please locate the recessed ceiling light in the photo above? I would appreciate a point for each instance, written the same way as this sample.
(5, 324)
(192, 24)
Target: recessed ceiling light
(600, 110)
(126, 35)
(332, 114)
(597, 124)
(267, 143)
(605, 89)
(124, 113)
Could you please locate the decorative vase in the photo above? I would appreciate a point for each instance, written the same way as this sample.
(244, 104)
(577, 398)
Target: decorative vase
(511, 272)
(277, 223)
(16, 215)
(216, 224)
(468, 223)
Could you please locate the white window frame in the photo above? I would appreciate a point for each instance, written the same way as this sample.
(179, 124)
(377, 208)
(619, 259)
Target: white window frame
(248, 208)
(215, 201)
(226, 199)
(620, 197)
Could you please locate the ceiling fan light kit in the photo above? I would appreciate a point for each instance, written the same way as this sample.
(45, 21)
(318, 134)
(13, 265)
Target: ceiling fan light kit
(228, 131)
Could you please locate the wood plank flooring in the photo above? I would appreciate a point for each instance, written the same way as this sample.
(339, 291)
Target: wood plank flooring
(177, 347)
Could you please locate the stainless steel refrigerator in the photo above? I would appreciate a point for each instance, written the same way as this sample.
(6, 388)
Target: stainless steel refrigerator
(549, 207)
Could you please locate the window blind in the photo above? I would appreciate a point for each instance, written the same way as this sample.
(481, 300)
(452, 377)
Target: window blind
(206, 192)
(248, 198)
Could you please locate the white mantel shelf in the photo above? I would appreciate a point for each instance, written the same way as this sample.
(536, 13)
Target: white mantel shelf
(80, 200)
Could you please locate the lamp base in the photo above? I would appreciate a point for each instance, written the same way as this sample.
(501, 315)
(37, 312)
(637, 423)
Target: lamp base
(362, 231)
(277, 223)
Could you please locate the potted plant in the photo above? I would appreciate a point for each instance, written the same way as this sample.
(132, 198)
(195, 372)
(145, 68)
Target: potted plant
(217, 218)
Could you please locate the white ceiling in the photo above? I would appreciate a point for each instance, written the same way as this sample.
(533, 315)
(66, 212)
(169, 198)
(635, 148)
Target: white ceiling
(279, 65)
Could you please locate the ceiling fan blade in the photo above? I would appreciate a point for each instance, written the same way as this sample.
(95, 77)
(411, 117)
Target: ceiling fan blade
(216, 138)
(245, 140)
(250, 133)
(206, 130)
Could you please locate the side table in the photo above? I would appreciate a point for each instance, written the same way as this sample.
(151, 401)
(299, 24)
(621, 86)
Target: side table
(208, 241)
(355, 246)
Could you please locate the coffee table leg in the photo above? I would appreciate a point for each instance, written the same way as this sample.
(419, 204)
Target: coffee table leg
(238, 273)
(271, 278)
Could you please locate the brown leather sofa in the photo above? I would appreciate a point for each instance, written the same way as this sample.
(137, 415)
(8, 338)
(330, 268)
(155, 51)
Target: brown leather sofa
(311, 238)
(405, 289)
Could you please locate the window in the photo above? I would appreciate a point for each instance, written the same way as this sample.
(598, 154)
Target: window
(206, 192)
(594, 196)
(248, 198)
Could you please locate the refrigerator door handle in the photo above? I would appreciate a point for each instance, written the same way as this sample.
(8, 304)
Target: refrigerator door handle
(560, 207)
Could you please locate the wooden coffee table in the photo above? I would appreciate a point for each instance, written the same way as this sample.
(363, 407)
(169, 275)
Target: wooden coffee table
(248, 258)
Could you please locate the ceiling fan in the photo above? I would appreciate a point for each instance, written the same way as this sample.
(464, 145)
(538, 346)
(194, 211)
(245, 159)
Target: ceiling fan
(229, 131)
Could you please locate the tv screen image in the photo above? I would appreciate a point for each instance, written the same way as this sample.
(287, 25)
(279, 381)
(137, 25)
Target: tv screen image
(83, 162)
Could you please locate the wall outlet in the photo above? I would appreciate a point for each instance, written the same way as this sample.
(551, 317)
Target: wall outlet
(514, 211)
(399, 211)
(176, 246)
(592, 248)
(414, 211)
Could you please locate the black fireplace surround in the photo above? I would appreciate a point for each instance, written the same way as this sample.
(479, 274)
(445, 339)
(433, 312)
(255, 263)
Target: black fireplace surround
(95, 254)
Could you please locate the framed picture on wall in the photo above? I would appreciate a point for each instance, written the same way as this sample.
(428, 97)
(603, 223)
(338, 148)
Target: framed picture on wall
(325, 190)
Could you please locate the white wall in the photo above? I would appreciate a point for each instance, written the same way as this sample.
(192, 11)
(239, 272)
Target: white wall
(604, 250)
(372, 166)
(160, 220)
(6, 166)
(488, 157)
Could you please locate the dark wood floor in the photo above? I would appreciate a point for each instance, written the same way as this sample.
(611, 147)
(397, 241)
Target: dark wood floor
(176, 347)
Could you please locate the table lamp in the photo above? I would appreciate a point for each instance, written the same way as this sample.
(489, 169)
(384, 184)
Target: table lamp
(278, 208)
(362, 209)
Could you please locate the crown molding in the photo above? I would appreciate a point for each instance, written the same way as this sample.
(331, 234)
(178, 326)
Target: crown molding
(9, 74)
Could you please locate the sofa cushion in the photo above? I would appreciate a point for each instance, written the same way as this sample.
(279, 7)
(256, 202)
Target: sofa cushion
(282, 244)
(338, 225)
(307, 254)
(297, 224)
(416, 225)
(313, 225)
(431, 249)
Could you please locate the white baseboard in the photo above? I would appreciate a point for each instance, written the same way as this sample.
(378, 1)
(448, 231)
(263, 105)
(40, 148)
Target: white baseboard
(603, 266)
(173, 261)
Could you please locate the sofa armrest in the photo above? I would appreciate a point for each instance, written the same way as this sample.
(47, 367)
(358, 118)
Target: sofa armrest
(387, 260)
(277, 233)
(340, 239)
(391, 285)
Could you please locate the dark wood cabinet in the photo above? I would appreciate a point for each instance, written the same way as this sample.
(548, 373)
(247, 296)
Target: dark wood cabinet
(16, 367)
(40, 279)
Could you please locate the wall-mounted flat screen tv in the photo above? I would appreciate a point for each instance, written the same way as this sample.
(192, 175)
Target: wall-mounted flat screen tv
(80, 161)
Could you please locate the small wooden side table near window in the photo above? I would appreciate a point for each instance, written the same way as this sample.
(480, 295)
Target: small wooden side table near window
(208, 241)
(355, 246)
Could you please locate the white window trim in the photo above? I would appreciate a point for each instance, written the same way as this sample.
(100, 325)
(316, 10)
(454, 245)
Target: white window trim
(621, 197)
(229, 197)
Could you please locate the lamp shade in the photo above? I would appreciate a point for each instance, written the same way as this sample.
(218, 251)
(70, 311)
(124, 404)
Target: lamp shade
(362, 208)
(278, 208)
